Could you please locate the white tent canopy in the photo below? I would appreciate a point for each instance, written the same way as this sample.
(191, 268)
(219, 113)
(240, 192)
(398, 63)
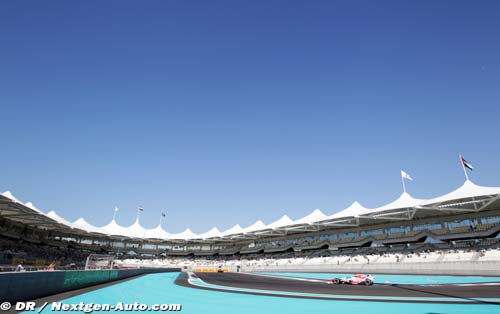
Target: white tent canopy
(184, 235)
(113, 228)
(467, 190)
(315, 216)
(468, 197)
(82, 224)
(233, 230)
(156, 233)
(405, 200)
(9, 195)
(53, 215)
(136, 230)
(283, 221)
(30, 205)
(212, 233)
(354, 210)
(258, 225)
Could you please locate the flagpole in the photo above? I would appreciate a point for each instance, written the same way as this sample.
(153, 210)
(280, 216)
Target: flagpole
(404, 186)
(463, 167)
(114, 213)
(138, 212)
(161, 218)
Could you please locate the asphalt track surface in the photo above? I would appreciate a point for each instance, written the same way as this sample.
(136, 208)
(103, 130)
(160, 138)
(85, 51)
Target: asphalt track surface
(431, 293)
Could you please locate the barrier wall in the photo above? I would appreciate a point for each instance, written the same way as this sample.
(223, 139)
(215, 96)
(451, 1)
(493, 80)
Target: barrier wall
(24, 286)
(462, 268)
(211, 269)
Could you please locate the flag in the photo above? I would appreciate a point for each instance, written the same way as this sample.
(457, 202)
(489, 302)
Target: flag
(465, 163)
(141, 209)
(404, 175)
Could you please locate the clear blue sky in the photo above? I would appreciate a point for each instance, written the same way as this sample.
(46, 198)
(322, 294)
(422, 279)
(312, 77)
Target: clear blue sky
(224, 112)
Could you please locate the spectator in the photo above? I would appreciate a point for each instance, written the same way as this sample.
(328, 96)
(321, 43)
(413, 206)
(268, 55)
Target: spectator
(52, 266)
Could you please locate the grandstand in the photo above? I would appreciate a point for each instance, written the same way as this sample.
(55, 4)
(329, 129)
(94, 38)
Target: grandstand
(461, 226)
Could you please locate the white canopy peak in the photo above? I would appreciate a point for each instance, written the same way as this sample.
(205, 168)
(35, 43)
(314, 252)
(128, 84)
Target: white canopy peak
(82, 224)
(184, 235)
(258, 225)
(136, 223)
(281, 222)
(113, 228)
(354, 210)
(53, 215)
(212, 233)
(9, 195)
(315, 216)
(156, 233)
(32, 206)
(405, 200)
(233, 230)
(466, 190)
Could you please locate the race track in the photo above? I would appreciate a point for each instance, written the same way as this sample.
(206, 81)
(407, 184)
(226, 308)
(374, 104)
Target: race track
(269, 285)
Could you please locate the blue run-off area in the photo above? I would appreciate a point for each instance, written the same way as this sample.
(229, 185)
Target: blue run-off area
(160, 288)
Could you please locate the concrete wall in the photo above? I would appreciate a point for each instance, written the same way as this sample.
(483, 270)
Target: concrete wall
(486, 268)
(24, 286)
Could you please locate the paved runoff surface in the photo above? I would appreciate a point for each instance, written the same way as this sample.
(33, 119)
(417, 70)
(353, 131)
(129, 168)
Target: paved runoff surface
(321, 289)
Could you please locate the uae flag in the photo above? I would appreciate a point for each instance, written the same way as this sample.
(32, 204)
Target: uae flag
(465, 163)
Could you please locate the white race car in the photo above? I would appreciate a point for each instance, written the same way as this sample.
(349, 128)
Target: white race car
(358, 279)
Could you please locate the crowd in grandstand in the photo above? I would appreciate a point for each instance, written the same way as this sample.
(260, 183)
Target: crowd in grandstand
(264, 262)
(26, 253)
(37, 255)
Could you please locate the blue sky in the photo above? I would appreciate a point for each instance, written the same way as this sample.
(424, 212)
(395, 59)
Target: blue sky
(225, 112)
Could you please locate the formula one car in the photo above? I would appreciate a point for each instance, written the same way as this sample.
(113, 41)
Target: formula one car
(358, 279)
